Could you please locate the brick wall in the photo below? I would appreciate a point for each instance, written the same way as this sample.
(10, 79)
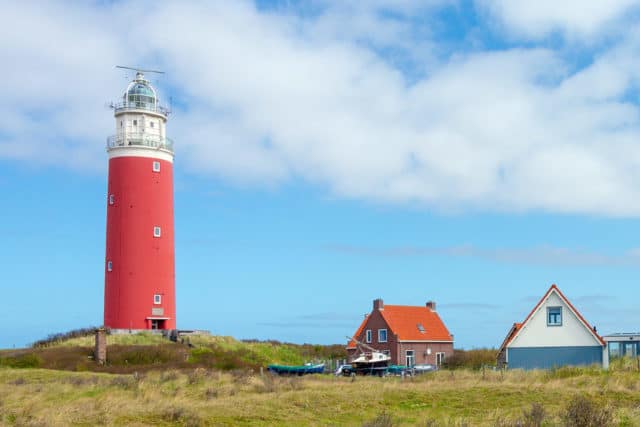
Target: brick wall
(397, 350)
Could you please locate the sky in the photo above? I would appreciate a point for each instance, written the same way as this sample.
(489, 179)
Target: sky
(327, 153)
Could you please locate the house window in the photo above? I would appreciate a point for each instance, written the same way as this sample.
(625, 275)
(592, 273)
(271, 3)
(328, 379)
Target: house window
(112, 199)
(382, 335)
(109, 266)
(157, 299)
(554, 316)
(439, 358)
(157, 232)
(368, 335)
(156, 166)
(386, 352)
(410, 357)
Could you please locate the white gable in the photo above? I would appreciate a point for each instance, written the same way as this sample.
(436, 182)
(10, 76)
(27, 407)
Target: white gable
(536, 333)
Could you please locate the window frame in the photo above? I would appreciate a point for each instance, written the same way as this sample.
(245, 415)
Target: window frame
(157, 299)
(412, 356)
(112, 199)
(155, 166)
(440, 355)
(157, 231)
(386, 335)
(109, 265)
(556, 312)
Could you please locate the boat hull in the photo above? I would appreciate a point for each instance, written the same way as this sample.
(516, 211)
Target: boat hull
(296, 370)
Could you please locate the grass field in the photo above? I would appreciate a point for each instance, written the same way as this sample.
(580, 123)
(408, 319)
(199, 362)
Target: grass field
(207, 397)
(145, 351)
(217, 381)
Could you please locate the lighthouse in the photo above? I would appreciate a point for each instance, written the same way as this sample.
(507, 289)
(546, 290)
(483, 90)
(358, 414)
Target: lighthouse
(139, 285)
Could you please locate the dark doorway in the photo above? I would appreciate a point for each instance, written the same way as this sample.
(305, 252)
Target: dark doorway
(157, 323)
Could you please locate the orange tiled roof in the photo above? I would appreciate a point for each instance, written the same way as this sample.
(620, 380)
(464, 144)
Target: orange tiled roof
(403, 321)
(352, 343)
(553, 287)
(514, 329)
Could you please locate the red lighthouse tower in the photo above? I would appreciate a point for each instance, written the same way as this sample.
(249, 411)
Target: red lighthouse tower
(139, 285)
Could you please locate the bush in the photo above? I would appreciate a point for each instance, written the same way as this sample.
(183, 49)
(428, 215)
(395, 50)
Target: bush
(29, 360)
(535, 416)
(140, 355)
(582, 411)
(382, 420)
(471, 359)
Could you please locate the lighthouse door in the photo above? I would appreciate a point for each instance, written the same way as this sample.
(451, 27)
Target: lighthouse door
(157, 323)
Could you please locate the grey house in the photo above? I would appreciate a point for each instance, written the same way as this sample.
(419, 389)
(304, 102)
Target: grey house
(553, 334)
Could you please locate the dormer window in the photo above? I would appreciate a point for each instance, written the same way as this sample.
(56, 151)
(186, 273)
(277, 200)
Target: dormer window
(554, 316)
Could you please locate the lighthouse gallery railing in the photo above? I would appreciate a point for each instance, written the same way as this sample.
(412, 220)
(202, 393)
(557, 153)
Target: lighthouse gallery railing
(139, 139)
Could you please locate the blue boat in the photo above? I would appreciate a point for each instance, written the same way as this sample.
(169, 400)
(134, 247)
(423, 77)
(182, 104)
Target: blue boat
(307, 368)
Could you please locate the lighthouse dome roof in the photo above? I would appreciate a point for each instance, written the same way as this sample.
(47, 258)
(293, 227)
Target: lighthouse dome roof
(140, 94)
(140, 88)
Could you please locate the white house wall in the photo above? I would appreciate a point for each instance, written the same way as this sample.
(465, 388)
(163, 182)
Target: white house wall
(536, 333)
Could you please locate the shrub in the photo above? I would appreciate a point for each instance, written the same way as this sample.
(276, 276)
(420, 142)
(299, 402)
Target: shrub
(472, 359)
(139, 355)
(582, 411)
(181, 416)
(382, 420)
(28, 360)
(535, 416)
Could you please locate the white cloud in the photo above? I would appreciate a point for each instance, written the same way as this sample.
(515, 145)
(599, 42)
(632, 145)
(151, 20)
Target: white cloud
(575, 18)
(539, 255)
(275, 96)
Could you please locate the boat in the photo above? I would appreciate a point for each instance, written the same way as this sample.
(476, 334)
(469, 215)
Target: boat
(307, 368)
(369, 362)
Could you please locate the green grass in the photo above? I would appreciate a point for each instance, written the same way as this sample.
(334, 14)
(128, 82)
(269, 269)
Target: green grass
(142, 338)
(208, 397)
(128, 353)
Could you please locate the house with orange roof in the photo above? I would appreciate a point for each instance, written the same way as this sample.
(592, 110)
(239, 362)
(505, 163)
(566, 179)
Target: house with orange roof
(409, 334)
(553, 334)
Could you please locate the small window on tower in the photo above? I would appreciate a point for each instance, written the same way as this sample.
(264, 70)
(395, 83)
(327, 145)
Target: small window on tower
(109, 266)
(135, 123)
(156, 166)
(112, 199)
(157, 231)
(151, 124)
(157, 299)
(121, 123)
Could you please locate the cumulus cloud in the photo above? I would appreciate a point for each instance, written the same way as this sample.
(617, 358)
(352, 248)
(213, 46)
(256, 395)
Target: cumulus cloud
(268, 96)
(575, 18)
(541, 255)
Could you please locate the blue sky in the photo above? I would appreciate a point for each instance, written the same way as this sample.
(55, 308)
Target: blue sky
(469, 152)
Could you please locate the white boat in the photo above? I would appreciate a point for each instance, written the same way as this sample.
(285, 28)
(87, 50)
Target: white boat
(370, 361)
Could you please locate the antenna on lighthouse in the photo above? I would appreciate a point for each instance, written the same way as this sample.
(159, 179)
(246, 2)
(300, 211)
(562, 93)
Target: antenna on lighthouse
(140, 70)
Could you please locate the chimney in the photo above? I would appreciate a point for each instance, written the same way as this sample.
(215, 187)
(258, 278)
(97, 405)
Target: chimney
(431, 305)
(378, 304)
